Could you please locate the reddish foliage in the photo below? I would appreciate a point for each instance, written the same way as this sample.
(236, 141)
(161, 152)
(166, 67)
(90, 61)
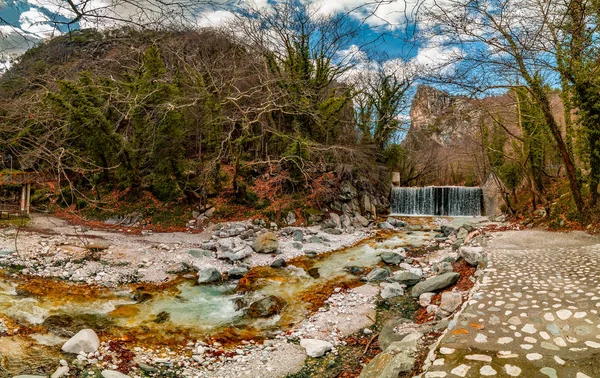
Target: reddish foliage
(124, 356)
(466, 272)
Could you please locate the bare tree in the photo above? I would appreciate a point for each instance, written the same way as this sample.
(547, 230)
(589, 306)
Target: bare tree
(501, 44)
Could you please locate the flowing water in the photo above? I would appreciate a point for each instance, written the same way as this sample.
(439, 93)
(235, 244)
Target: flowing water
(437, 200)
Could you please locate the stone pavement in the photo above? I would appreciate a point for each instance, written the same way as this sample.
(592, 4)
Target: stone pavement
(535, 313)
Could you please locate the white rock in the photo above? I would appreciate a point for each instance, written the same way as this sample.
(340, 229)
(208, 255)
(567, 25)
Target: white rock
(461, 370)
(529, 328)
(479, 357)
(316, 348)
(487, 370)
(85, 340)
(60, 372)
(564, 314)
(113, 374)
(512, 370)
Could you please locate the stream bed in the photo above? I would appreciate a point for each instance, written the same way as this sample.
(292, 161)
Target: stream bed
(41, 314)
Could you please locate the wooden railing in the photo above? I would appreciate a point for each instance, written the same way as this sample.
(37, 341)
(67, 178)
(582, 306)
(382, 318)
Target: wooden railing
(22, 178)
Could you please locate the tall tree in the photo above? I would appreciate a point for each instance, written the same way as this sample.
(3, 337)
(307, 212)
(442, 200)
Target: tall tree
(500, 43)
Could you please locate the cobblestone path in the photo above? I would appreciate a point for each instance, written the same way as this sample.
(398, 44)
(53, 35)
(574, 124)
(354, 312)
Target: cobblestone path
(535, 313)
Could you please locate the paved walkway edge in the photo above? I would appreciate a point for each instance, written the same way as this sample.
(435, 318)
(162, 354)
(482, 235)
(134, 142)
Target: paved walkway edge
(454, 319)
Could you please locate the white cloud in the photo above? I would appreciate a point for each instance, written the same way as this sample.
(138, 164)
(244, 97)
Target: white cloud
(390, 14)
(36, 23)
(58, 7)
(434, 57)
(215, 18)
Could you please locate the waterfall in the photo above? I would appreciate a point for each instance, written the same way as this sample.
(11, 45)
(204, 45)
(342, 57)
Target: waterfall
(437, 200)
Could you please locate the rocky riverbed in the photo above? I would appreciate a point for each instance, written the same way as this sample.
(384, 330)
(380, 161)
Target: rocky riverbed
(240, 299)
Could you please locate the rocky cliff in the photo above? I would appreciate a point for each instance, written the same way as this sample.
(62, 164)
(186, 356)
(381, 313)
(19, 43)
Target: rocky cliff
(446, 132)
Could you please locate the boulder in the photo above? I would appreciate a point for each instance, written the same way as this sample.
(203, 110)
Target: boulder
(425, 299)
(266, 243)
(391, 290)
(266, 307)
(443, 267)
(290, 218)
(413, 269)
(298, 236)
(449, 303)
(405, 278)
(278, 263)
(333, 231)
(347, 210)
(394, 330)
(435, 283)
(386, 226)
(237, 272)
(377, 274)
(472, 255)
(60, 372)
(313, 215)
(346, 221)
(396, 222)
(209, 274)
(335, 220)
(6, 251)
(391, 258)
(113, 374)
(315, 348)
(314, 272)
(347, 191)
(85, 341)
(199, 253)
(462, 233)
(364, 222)
(232, 248)
(98, 245)
(467, 227)
(315, 240)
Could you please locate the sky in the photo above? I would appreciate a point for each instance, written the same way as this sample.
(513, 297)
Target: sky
(388, 24)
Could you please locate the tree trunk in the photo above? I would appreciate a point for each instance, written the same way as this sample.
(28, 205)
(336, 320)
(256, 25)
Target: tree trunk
(538, 91)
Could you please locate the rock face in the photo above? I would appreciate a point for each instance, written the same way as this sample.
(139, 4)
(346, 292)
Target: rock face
(85, 341)
(208, 274)
(444, 128)
(316, 348)
(266, 307)
(266, 243)
(435, 283)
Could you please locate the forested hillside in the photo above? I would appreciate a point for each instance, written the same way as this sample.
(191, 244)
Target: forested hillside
(187, 116)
